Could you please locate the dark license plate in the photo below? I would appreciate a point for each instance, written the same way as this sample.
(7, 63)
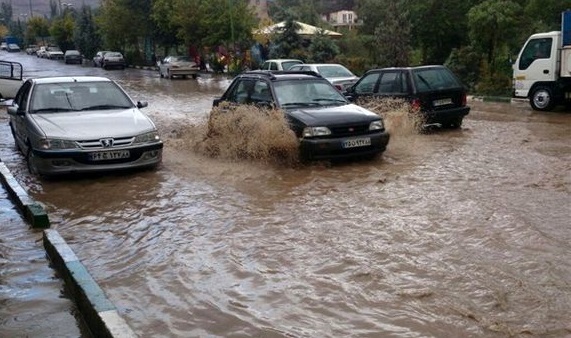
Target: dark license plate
(109, 155)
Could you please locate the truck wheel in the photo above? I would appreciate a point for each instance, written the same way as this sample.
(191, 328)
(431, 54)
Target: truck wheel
(542, 99)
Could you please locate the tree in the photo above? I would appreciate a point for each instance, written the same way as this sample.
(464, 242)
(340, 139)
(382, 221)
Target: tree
(287, 42)
(38, 27)
(322, 48)
(85, 35)
(62, 31)
(491, 24)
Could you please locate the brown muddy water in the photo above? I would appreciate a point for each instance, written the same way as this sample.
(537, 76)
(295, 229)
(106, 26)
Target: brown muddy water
(460, 233)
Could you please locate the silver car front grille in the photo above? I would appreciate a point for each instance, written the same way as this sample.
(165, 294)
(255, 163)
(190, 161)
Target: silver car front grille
(105, 143)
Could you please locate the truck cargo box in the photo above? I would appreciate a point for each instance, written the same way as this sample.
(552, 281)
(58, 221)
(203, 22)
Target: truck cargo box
(566, 27)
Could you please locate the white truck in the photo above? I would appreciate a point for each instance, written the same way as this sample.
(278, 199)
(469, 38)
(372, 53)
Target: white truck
(10, 79)
(542, 71)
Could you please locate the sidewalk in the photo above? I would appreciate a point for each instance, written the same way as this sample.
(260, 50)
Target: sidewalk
(32, 298)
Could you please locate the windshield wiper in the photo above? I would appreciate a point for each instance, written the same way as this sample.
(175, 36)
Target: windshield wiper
(105, 106)
(329, 100)
(54, 110)
(291, 104)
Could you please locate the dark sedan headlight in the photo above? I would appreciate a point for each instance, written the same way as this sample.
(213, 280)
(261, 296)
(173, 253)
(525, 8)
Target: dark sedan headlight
(377, 125)
(150, 137)
(56, 144)
(315, 131)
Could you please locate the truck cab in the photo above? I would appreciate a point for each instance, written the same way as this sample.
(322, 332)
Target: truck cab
(542, 71)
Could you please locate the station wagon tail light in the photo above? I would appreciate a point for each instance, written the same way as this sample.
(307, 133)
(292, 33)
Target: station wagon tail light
(464, 99)
(415, 105)
(316, 131)
(376, 125)
(56, 144)
(147, 137)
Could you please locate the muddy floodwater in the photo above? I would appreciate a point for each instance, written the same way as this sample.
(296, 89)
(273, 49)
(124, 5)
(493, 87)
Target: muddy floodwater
(461, 233)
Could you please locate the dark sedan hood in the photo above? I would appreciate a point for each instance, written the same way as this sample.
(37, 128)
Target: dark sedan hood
(332, 115)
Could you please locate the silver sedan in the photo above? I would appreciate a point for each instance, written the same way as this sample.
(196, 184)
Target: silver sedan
(81, 124)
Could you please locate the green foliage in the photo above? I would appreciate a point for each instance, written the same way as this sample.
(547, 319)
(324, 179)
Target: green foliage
(322, 49)
(287, 41)
(85, 35)
(62, 31)
(38, 28)
(465, 63)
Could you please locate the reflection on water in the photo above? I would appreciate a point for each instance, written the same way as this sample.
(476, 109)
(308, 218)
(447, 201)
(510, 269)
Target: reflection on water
(458, 233)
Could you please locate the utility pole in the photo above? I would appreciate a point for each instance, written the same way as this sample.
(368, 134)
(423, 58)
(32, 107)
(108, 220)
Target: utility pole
(31, 10)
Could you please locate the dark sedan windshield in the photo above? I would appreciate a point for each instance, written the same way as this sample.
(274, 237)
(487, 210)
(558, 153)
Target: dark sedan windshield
(77, 96)
(308, 93)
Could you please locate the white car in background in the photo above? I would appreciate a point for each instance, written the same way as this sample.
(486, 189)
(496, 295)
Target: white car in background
(280, 64)
(174, 65)
(341, 77)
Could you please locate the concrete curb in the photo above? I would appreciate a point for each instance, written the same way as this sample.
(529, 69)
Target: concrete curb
(33, 212)
(98, 312)
(496, 99)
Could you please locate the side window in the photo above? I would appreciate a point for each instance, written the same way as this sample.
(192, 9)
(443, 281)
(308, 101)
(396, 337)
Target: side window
(261, 92)
(389, 83)
(241, 92)
(535, 49)
(367, 84)
(273, 66)
(22, 96)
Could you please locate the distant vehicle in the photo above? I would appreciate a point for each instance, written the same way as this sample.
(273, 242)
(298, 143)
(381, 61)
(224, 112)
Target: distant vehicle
(173, 65)
(81, 124)
(279, 64)
(113, 60)
(338, 75)
(72, 56)
(325, 123)
(41, 52)
(433, 92)
(13, 48)
(54, 53)
(3, 46)
(32, 49)
(98, 58)
(10, 79)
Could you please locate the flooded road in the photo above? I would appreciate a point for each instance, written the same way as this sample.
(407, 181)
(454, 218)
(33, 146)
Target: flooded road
(460, 233)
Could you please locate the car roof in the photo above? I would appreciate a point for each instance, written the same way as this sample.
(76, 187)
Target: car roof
(321, 64)
(68, 79)
(408, 68)
(283, 60)
(281, 74)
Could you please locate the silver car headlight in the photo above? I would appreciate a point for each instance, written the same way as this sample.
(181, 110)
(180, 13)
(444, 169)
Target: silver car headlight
(377, 125)
(315, 131)
(56, 144)
(151, 137)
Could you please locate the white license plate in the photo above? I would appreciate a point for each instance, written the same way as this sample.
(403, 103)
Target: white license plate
(109, 155)
(357, 142)
(441, 102)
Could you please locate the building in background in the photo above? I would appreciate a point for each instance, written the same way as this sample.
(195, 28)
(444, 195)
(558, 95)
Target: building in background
(342, 19)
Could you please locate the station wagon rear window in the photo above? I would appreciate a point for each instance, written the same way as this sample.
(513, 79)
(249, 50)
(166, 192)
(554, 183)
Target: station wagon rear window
(432, 79)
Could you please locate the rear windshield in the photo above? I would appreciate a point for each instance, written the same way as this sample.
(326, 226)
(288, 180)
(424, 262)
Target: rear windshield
(431, 79)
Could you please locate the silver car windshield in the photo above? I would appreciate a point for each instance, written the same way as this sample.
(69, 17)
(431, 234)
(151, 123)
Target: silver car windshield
(307, 93)
(78, 96)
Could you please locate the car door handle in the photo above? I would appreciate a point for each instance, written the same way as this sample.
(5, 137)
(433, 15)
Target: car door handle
(546, 71)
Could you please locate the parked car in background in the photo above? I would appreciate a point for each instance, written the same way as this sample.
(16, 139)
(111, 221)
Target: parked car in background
(113, 60)
(81, 124)
(98, 58)
(176, 65)
(279, 64)
(10, 79)
(325, 123)
(338, 75)
(13, 48)
(32, 49)
(41, 52)
(3, 46)
(433, 91)
(72, 56)
(54, 53)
